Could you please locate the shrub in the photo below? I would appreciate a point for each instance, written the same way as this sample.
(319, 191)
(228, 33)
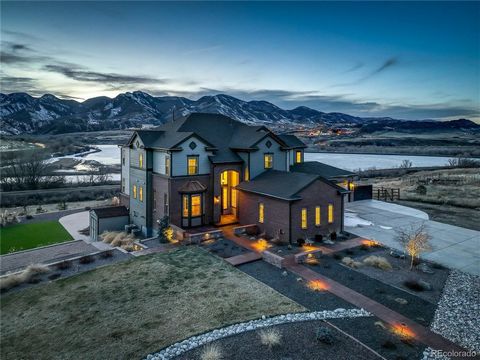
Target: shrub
(325, 335)
(54, 276)
(378, 262)
(88, 208)
(414, 285)
(28, 275)
(270, 337)
(29, 217)
(318, 238)
(349, 252)
(438, 266)
(300, 242)
(421, 190)
(337, 256)
(389, 345)
(87, 259)
(106, 254)
(65, 264)
(108, 236)
(252, 231)
(351, 263)
(333, 236)
(211, 352)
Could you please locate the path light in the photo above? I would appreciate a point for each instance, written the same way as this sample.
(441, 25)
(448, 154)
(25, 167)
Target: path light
(371, 243)
(311, 260)
(318, 285)
(307, 248)
(402, 330)
(261, 245)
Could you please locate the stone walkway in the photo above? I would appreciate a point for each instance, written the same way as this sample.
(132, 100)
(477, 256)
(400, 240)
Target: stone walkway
(391, 317)
(46, 254)
(243, 258)
(452, 246)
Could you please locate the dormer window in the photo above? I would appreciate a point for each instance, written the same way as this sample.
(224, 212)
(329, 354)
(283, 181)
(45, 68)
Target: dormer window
(192, 164)
(268, 160)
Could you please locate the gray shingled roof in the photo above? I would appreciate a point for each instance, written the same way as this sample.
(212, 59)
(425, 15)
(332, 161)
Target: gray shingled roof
(292, 141)
(321, 169)
(279, 184)
(217, 130)
(110, 211)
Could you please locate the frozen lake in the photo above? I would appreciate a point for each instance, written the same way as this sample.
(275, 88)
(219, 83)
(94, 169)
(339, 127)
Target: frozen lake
(108, 155)
(366, 161)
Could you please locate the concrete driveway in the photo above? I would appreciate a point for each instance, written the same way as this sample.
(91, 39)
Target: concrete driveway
(452, 246)
(74, 223)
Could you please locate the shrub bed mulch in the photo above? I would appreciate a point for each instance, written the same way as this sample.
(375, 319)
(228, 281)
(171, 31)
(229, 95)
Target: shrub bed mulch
(223, 247)
(403, 302)
(298, 341)
(382, 340)
(401, 272)
(69, 268)
(290, 287)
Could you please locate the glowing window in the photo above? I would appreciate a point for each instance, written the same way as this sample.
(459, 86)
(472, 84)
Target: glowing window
(234, 198)
(317, 216)
(134, 191)
(261, 213)
(225, 198)
(192, 165)
(304, 218)
(140, 193)
(330, 213)
(196, 205)
(167, 165)
(224, 178)
(246, 174)
(185, 206)
(140, 160)
(298, 156)
(268, 161)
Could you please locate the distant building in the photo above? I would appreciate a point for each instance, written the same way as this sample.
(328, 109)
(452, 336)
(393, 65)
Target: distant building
(210, 169)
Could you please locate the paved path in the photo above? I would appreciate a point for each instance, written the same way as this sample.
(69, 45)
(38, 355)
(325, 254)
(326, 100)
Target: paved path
(393, 318)
(452, 246)
(45, 254)
(243, 258)
(339, 246)
(74, 223)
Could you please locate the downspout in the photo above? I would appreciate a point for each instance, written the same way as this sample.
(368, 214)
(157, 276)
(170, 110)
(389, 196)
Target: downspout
(342, 213)
(290, 223)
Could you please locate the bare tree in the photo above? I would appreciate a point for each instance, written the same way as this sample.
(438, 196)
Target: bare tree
(415, 240)
(406, 164)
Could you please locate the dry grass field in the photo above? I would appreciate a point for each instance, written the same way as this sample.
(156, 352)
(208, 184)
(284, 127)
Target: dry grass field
(130, 309)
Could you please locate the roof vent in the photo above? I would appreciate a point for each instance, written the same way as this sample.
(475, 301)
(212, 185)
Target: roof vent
(269, 144)
(192, 145)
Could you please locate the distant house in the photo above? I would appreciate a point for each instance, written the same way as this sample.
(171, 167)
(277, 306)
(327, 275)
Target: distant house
(210, 169)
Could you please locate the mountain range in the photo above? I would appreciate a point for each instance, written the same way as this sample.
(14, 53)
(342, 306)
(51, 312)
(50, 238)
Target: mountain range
(22, 113)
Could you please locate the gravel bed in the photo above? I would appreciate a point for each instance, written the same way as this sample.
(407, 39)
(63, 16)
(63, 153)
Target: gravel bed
(458, 314)
(401, 272)
(286, 283)
(394, 298)
(298, 341)
(199, 340)
(223, 247)
(377, 335)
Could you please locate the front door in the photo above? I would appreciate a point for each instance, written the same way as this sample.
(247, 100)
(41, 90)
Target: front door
(229, 180)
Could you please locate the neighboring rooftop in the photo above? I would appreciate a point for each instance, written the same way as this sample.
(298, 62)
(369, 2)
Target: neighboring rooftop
(321, 169)
(111, 211)
(292, 141)
(281, 184)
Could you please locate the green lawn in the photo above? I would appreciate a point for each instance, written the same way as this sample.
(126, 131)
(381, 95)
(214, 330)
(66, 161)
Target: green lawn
(28, 236)
(133, 308)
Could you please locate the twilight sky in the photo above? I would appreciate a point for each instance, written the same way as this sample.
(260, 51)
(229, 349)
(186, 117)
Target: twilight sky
(406, 60)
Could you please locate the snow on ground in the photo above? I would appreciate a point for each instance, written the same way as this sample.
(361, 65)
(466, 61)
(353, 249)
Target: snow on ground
(353, 220)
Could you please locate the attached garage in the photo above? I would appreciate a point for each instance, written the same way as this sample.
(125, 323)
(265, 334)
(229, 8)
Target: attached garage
(112, 218)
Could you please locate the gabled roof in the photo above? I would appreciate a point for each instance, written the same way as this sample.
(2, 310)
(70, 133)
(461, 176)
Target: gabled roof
(321, 169)
(192, 186)
(292, 141)
(110, 211)
(283, 185)
(216, 130)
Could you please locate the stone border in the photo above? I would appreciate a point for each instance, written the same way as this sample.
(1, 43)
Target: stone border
(193, 342)
(42, 247)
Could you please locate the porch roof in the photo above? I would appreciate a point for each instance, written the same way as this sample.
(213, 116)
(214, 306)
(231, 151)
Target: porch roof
(191, 187)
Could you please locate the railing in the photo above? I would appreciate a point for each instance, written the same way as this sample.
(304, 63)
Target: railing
(386, 194)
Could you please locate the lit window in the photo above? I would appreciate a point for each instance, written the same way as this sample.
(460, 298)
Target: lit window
(268, 161)
(246, 175)
(225, 198)
(196, 205)
(167, 165)
(234, 198)
(330, 213)
(185, 205)
(317, 216)
(192, 165)
(140, 193)
(140, 160)
(134, 191)
(261, 213)
(304, 218)
(298, 156)
(224, 178)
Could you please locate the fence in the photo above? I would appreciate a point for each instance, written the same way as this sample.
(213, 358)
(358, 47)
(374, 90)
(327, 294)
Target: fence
(387, 194)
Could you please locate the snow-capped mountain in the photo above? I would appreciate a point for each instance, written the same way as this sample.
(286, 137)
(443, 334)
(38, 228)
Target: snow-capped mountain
(22, 113)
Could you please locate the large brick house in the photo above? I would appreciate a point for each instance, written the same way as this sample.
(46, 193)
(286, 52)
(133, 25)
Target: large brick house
(208, 169)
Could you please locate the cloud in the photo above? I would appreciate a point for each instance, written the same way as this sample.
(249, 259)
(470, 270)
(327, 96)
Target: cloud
(355, 67)
(387, 64)
(393, 61)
